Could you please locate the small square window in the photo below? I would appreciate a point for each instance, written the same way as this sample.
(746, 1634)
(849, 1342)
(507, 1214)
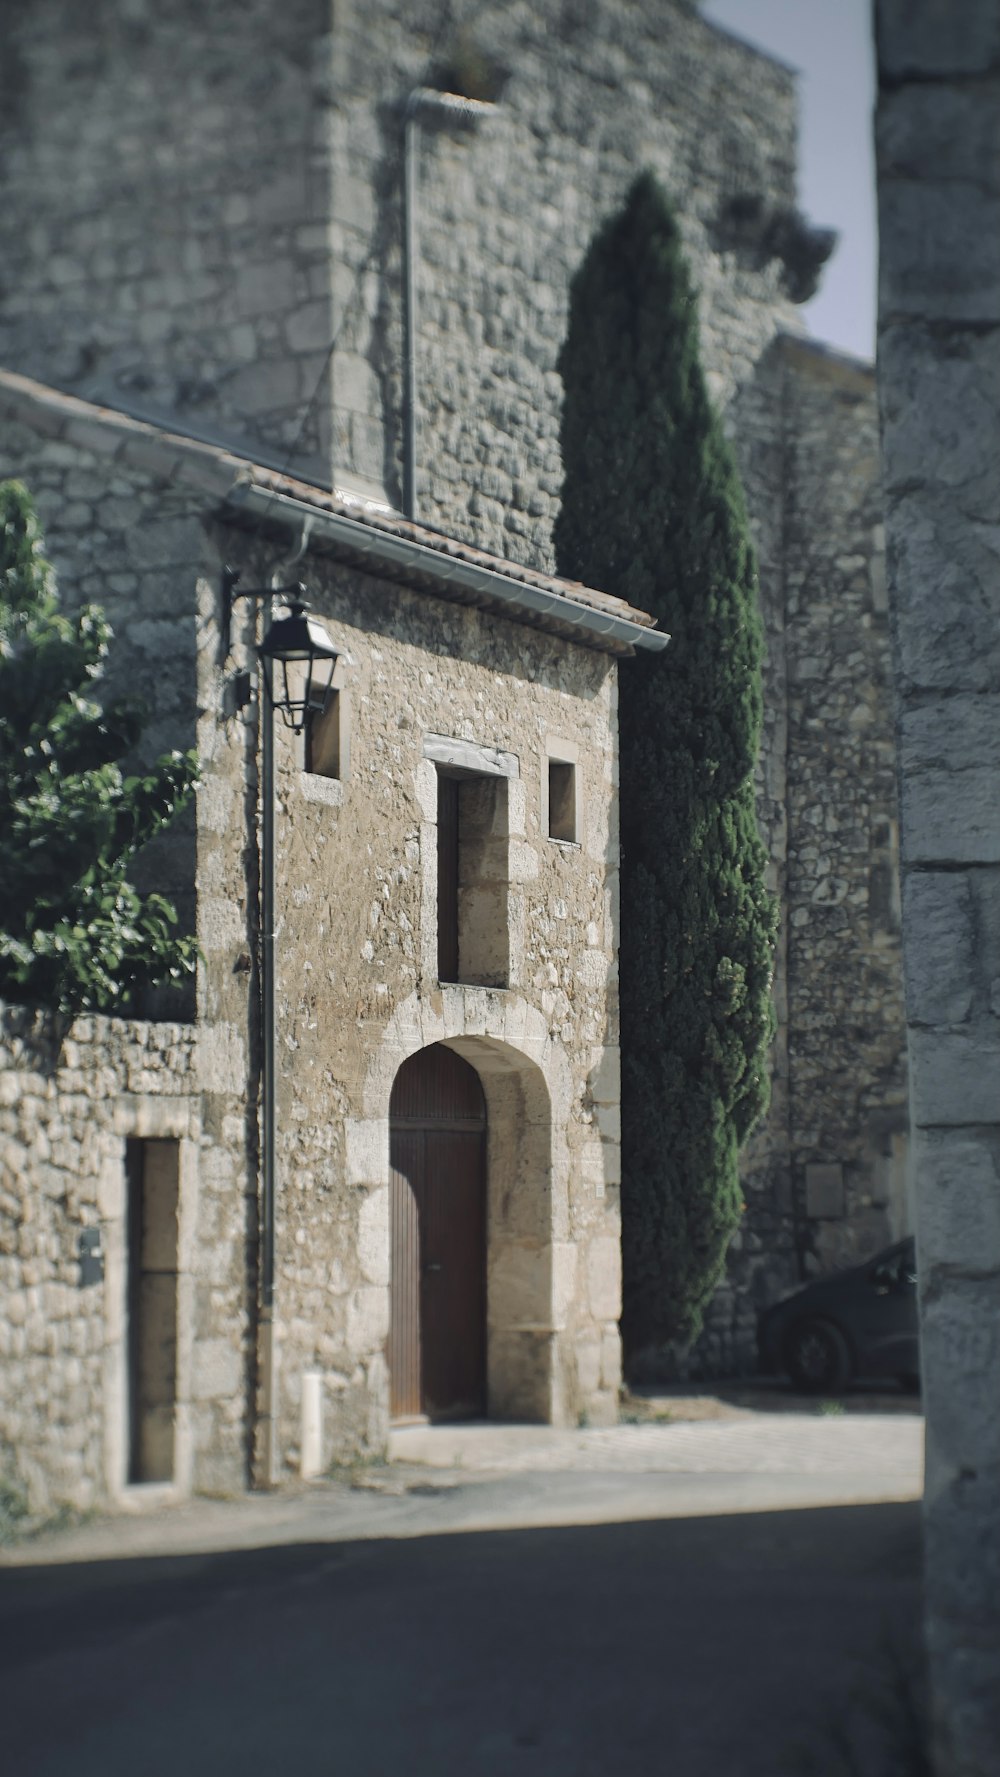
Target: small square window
(322, 737)
(562, 800)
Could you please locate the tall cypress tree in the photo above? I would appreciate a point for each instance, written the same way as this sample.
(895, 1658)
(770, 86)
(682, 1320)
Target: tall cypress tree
(653, 511)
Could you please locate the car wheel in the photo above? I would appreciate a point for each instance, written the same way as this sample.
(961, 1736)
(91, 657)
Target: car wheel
(817, 1358)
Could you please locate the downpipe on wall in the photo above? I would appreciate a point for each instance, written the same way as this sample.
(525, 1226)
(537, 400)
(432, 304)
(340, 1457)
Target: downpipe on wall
(265, 1430)
(266, 1454)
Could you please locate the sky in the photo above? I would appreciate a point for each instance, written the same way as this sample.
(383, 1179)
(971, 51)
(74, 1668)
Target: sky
(830, 43)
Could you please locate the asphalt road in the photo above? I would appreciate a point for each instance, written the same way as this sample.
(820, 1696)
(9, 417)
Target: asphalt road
(735, 1645)
(727, 1599)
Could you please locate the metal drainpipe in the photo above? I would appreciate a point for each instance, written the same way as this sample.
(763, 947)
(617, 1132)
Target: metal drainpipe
(266, 1451)
(444, 105)
(267, 1405)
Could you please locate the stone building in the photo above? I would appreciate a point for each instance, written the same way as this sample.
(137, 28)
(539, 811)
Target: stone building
(274, 236)
(445, 1128)
(939, 378)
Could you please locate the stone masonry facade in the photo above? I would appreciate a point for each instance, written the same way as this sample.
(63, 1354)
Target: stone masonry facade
(425, 679)
(203, 224)
(825, 1174)
(66, 1110)
(939, 386)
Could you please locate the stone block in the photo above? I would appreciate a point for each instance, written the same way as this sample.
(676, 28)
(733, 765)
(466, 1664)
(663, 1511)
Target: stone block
(958, 733)
(953, 383)
(373, 1237)
(935, 38)
(519, 1286)
(222, 926)
(310, 328)
(604, 1279)
(265, 385)
(951, 816)
(960, 1350)
(609, 1122)
(946, 262)
(825, 1192)
(946, 577)
(965, 1669)
(366, 1150)
(588, 1368)
(611, 1360)
(266, 288)
(958, 1190)
(367, 1321)
(222, 1058)
(954, 1078)
(938, 133)
(605, 1075)
(938, 934)
(519, 1375)
(354, 384)
(564, 1281)
(218, 1369)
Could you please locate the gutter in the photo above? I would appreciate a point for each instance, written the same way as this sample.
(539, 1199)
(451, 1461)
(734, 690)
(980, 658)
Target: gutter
(412, 559)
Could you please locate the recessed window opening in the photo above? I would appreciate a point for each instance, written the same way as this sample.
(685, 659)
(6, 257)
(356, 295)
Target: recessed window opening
(562, 800)
(153, 1174)
(473, 835)
(323, 751)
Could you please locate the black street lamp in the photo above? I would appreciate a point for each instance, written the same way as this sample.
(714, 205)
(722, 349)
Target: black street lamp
(297, 657)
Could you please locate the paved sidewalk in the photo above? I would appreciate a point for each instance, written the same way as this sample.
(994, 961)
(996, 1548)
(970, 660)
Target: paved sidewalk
(880, 1451)
(448, 1479)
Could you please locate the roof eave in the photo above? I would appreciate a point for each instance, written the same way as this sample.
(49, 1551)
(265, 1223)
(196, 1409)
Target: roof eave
(369, 545)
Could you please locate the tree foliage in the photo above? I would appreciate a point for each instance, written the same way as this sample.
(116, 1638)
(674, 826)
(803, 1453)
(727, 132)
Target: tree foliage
(653, 512)
(75, 934)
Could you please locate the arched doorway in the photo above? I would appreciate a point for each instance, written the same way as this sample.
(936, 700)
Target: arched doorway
(437, 1156)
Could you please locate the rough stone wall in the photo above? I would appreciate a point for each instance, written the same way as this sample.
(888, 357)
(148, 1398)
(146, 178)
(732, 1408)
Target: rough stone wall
(506, 212)
(358, 990)
(65, 1113)
(117, 537)
(118, 532)
(939, 386)
(212, 203)
(824, 1175)
(847, 1043)
(164, 229)
(197, 204)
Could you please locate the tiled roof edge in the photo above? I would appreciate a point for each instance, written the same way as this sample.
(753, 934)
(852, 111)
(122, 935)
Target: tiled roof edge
(237, 480)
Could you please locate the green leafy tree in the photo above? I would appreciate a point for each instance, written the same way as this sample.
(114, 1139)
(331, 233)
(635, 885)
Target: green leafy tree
(75, 934)
(653, 511)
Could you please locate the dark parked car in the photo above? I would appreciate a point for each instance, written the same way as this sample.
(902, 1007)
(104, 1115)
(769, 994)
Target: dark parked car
(858, 1323)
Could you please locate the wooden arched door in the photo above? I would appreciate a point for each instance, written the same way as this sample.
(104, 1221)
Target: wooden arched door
(437, 1155)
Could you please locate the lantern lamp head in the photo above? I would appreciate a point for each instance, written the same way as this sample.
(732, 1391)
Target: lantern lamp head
(298, 659)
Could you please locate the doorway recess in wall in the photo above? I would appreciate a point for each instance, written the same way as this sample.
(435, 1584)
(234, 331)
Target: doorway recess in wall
(153, 1175)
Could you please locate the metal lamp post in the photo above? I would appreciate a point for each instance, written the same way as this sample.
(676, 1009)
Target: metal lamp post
(298, 661)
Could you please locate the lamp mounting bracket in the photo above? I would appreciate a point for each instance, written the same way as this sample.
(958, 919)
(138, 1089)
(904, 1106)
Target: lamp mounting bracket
(294, 595)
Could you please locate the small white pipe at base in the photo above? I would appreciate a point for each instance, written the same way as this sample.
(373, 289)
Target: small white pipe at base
(311, 1460)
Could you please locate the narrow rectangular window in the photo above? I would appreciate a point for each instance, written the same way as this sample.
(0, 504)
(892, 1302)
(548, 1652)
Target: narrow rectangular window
(447, 907)
(562, 800)
(473, 887)
(323, 737)
(153, 1172)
